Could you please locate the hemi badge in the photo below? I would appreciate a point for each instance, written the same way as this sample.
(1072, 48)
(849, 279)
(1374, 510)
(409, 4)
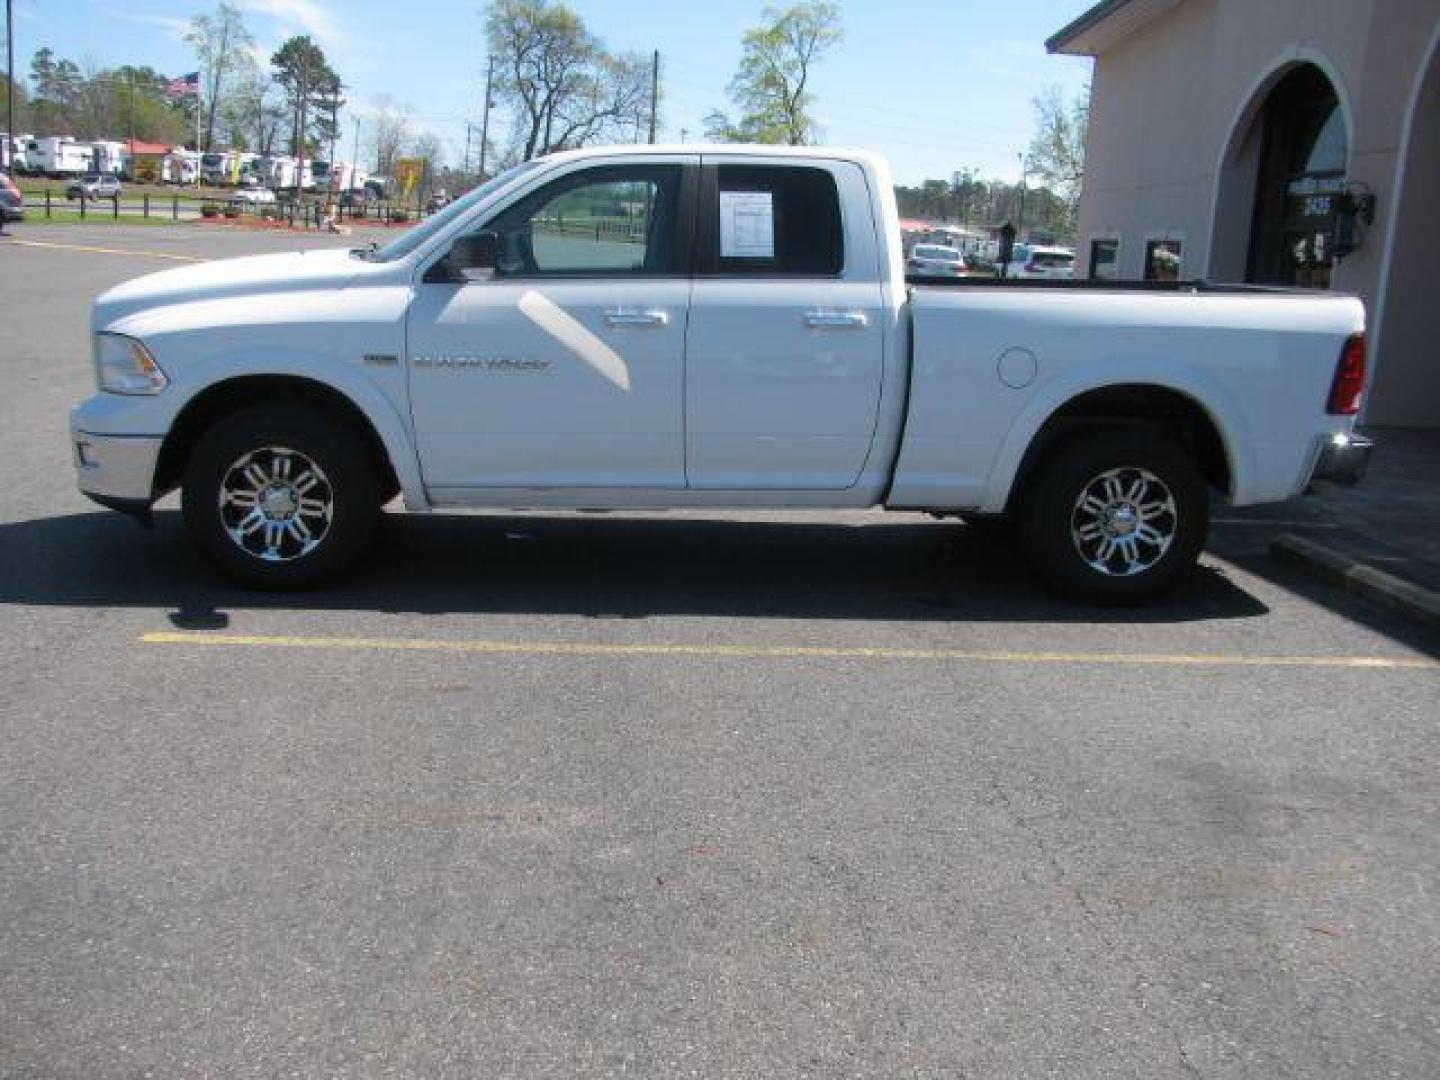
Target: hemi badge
(381, 359)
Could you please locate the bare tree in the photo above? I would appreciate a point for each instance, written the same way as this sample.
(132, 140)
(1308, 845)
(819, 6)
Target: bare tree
(393, 132)
(565, 90)
(772, 87)
(219, 40)
(252, 112)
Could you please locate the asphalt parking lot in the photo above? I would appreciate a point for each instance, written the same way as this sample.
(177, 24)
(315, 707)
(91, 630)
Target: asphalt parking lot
(682, 795)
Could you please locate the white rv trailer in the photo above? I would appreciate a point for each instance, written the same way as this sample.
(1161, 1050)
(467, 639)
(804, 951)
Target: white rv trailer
(56, 156)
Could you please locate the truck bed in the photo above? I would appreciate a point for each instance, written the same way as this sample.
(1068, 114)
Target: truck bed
(1091, 285)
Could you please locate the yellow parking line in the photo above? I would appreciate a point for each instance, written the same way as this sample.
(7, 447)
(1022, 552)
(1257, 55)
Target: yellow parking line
(109, 251)
(779, 652)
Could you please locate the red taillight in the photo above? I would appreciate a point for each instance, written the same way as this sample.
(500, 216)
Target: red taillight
(1349, 384)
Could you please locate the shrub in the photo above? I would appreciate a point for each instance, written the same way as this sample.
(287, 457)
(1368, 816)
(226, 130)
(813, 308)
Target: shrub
(209, 210)
(232, 210)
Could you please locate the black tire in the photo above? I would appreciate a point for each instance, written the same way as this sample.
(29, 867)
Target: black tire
(1065, 539)
(341, 476)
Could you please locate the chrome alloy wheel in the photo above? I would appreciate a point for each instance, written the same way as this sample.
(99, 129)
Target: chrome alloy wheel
(1124, 521)
(276, 504)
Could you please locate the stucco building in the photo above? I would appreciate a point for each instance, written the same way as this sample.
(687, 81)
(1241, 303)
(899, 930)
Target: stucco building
(1257, 140)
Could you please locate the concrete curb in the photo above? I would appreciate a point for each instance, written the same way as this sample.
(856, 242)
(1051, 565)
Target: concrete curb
(1330, 566)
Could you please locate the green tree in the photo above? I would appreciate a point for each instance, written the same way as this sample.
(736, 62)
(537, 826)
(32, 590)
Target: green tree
(8, 89)
(771, 89)
(57, 84)
(1057, 148)
(305, 77)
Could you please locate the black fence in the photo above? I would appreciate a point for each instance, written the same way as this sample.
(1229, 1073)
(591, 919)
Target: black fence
(297, 213)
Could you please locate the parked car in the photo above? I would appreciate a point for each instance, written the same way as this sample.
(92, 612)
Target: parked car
(438, 201)
(934, 259)
(93, 186)
(12, 203)
(752, 344)
(358, 198)
(1037, 263)
(257, 196)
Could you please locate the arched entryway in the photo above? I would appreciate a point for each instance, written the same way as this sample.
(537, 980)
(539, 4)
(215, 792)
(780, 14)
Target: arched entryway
(1303, 155)
(1405, 372)
(1283, 170)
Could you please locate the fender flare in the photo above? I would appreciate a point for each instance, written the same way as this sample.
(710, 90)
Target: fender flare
(1211, 398)
(343, 378)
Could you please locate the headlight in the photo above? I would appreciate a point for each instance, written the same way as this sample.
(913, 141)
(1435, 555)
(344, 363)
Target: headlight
(124, 366)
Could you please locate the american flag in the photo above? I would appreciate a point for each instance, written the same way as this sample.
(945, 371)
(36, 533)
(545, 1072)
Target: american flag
(184, 86)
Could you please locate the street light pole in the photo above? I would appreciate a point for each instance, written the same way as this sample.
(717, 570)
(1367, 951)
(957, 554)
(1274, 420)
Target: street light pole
(485, 118)
(1020, 215)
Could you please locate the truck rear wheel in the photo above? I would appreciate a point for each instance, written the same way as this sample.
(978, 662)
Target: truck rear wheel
(1117, 517)
(280, 497)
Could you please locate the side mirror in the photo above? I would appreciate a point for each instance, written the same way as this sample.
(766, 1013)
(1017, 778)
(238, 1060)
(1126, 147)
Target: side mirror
(471, 257)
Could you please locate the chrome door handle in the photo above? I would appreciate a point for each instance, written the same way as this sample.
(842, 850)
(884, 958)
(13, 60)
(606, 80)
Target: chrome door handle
(836, 320)
(635, 317)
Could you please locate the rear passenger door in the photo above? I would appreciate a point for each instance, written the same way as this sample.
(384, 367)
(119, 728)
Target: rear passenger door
(785, 350)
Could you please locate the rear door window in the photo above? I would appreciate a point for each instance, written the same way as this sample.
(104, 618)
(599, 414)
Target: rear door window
(775, 219)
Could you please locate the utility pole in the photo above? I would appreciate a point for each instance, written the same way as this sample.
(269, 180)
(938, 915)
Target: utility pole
(654, 91)
(485, 120)
(10, 83)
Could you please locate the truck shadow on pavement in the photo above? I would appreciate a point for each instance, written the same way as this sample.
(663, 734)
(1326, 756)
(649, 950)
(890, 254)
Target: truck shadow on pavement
(596, 566)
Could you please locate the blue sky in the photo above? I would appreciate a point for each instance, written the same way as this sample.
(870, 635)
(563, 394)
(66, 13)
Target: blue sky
(937, 85)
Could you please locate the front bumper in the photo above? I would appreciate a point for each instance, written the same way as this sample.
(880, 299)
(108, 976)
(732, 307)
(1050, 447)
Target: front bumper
(1343, 458)
(116, 470)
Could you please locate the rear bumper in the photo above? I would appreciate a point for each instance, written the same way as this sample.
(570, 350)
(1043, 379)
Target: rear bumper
(116, 468)
(1343, 459)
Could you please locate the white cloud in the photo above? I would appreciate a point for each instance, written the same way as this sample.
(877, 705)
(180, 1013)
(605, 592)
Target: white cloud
(308, 16)
(175, 27)
(350, 54)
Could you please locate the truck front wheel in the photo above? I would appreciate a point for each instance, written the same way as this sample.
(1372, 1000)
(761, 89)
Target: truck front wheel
(280, 497)
(1116, 517)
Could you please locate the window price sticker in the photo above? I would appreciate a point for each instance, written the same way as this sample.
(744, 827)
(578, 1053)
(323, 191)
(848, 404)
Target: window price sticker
(747, 225)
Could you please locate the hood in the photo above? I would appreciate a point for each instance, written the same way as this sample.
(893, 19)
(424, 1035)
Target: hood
(329, 268)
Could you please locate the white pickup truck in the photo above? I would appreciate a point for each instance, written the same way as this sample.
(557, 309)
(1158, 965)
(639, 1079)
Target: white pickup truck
(695, 327)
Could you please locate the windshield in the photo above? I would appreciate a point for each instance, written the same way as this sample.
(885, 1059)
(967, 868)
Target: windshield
(407, 242)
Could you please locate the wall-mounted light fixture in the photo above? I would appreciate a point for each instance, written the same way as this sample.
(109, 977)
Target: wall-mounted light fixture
(1355, 208)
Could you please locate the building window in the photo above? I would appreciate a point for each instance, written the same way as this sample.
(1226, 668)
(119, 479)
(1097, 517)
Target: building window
(1162, 260)
(1104, 260)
